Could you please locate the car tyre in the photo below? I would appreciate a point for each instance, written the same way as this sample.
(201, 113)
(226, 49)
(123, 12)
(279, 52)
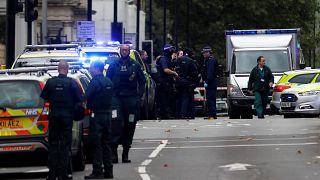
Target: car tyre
(79, 161)
(246, 116)
(234, 115)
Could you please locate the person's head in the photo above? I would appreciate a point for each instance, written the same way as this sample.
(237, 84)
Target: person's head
(206, 52)
(179, 53)
(63, 67)
(188, 52)
(174, 55)
(124, 51)
(169, 49)
(96, 68)
(261, 61)
(144, 55)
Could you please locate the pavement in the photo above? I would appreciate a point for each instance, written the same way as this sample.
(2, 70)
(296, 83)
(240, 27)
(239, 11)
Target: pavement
(270, 149)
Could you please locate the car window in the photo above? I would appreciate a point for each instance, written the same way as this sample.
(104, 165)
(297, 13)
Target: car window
(318, 79)
(43, 61)
(84, 82)
(302, 79)
(20, 94)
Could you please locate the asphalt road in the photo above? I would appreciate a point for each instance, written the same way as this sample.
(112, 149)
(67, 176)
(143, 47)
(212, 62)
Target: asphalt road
(223, 149)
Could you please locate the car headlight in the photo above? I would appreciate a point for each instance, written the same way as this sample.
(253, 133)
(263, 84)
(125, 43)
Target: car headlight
(309, 93)
(235, 90)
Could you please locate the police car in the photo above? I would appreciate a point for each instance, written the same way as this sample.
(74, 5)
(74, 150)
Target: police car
(24, 115)
(110, 52)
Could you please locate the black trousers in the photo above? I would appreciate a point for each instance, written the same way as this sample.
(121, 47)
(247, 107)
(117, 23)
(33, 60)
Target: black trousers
(60, 138)
(211, 95)
(124, 119)
(100, 138)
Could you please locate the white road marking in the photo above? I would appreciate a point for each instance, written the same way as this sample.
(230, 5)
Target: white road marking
(242, 145)
(142, 169)
(146, 162)
(237, 167)
(158, 149)
(145, 177)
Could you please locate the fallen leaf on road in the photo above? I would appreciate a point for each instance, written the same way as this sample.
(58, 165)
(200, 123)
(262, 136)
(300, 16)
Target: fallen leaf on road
(249, 139)
(168, 130)
(293, 136)
(195, 129)
(187, 137)
(229, 122)
(277, 149)
(165, 165)
(309, 163)
(299, 152)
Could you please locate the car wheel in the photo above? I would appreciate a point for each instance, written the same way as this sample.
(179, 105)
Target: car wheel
(287, 116)
(233, 115)
(79, 161)
(246, 116)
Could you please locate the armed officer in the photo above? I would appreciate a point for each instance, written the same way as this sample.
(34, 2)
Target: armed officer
(129, 85)
(167, 74)
(99, 100)
(185, 85)
(63, 94)
(210, 81)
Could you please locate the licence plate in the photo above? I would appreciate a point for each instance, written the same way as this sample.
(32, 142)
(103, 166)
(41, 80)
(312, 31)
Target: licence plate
(6, 123)
(286, 104)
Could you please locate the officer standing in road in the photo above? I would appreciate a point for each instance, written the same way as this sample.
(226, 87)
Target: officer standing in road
(186, 69)
(210, 81)
(63, 94)
(260, 81)
(99, 100)
(167, 75)
(129, 85)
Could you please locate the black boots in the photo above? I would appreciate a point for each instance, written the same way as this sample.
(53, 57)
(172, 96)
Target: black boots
(115, 154)
(108, 173)
(125, 155)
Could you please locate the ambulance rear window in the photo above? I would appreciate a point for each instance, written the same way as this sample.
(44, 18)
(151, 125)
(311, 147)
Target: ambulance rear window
(20, 94)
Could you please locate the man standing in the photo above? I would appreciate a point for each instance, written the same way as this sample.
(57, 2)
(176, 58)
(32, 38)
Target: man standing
(186, 69)
(260, 81)
(144, 57)
(210, 81)
(167, 75)
(99, 100)
(63, 94)
(129, 85)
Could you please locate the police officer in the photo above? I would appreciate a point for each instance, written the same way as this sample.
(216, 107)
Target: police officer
(63, 94)
(99, 100)
(167, 74)
(210, 81)
(185, 85)
(260, 81)
(129, 85)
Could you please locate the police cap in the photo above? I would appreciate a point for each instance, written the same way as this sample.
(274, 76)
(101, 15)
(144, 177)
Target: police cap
(206, 49)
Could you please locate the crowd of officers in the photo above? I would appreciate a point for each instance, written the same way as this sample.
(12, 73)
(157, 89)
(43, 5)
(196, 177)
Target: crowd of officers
(179, 74)
(114, 100)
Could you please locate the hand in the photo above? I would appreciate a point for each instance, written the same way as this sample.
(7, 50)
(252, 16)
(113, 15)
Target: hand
(271, 84)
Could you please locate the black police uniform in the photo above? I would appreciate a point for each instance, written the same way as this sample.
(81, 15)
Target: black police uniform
(129, 86)
(99, 101)
(185, 85)
(166, 88)
(63, 94)
(210, 77)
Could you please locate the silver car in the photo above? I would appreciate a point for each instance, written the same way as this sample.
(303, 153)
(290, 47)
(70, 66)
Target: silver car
(292, 79)
(301, 100)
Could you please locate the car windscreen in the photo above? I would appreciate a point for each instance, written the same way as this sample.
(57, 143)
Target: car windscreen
(277, 60)
(20, 94)
(29, 62)
(302, 78)
(107, 57)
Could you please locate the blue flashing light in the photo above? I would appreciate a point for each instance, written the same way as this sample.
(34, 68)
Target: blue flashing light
(100, 43)
(113, 43)
(262, 31)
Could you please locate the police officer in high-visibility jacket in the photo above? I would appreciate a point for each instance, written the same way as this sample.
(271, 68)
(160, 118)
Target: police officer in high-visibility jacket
(63, 94)
(99, 99)
(129, 85)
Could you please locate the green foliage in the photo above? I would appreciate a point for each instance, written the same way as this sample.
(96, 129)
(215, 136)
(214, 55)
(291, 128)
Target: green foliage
(210, 19)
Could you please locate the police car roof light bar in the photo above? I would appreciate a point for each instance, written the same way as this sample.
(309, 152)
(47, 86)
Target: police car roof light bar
(24, 70)
(50, 46)
(262, 31)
